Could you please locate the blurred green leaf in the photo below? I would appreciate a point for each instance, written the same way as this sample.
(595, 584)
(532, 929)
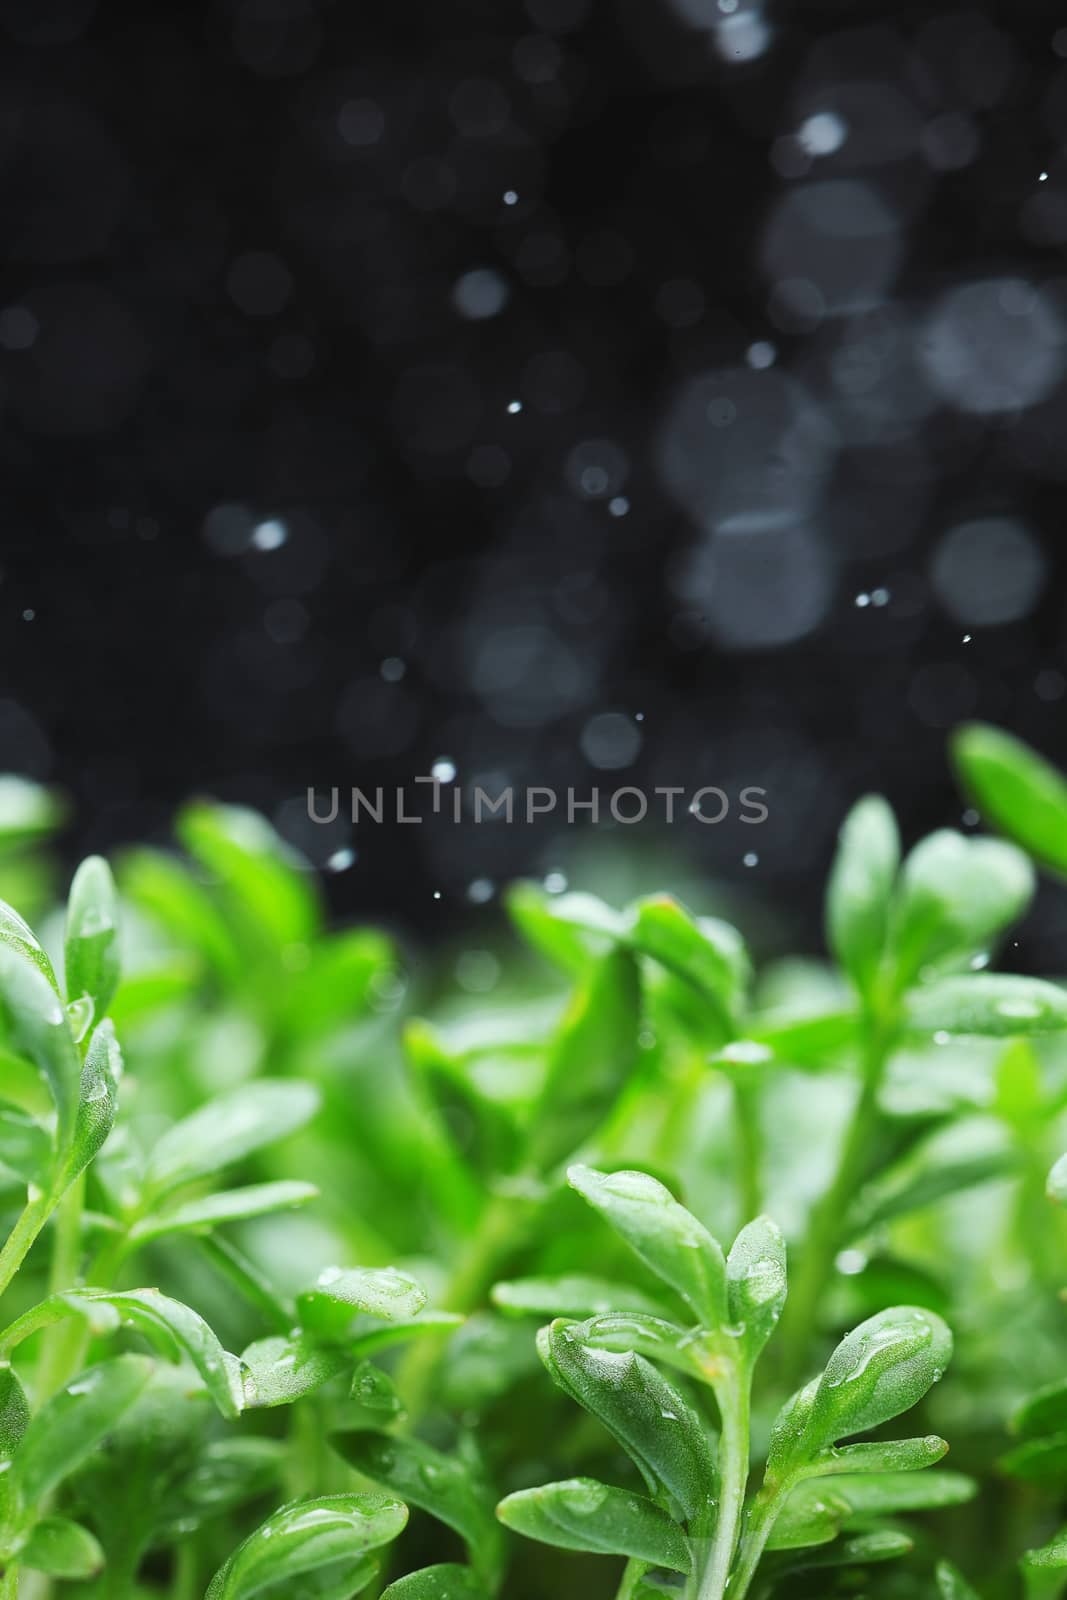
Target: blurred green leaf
(62, 1548)
(996, 1005)
(860, 890)
(1017, 792)
(226, 1130)
(28, 811)
(955, 896)
(229, 1205)
(756, 1283)
(951, 1584)
(266, 880)
(572, 1295)
(39, 1028)
(71, 1425)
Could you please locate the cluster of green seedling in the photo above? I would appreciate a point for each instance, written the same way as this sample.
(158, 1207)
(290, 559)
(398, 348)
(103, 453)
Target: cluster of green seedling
(220, 1380)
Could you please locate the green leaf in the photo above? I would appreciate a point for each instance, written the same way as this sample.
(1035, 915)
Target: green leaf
(39, 1027)
(951, 1584)
(879, 1455)
(330, 1307)
(227, 1473)
(657, 1428)
(1016, 791)
(27, 811)
(25, 1147)
(1057, 1182)
(860, 890)
(659, 1340)
(994, 1005)
(887, 1493)
(572, 1295)
(62, 1548)
(166, 890)
(366, 1335)
(1042, 1460)
(91, 954)
(176, 1330)
(228, 1129)
(280, 1370)
(268, 883)
(756, 1283)
(707, 953)
(98, 1101)
(570, 929)
(71, 1425)
(665, 1236)
(955, 896)
(230, 1205)
(439, 1484)
(858, 1549)
(812, 1515)
(1045, 1411)
(582, 1514)
(883, 1367)
(1051, 1555)
(337, 983)
(315, 1547)
(437, 1583)
(18, 936)
(973, 1153)
(14, 1420)
(592, 1055)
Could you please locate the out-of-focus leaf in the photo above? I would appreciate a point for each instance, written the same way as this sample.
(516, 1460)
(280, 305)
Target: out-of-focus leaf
(573, 1295)
(91, 954)
(996, 1005)
(335, 986)
(1043, 1412)
(226, 1473)
(1057, 1182)
(27, 811)
(226, 1130)
(955, 896)
(70, 1426)
(951, 1584)
(230, 1205)
(39, 1028)
(267, 881)
(1041, 1460)
(440, 1484)
(887, 1493)
(446, 1582)
(657, 1428)
(591, 1057)
(973, 1153)
(168, 892)
(569, 928)
(365, 1335)
(857, 1550)
(582, 1514)
(24, 1146)
(62, 1548)
(665, 1236)
(707, 953)
(1016, 791)
(315, 1547)
(339, 1296)
(279, 1371)
(756, 1283)
(860, 890)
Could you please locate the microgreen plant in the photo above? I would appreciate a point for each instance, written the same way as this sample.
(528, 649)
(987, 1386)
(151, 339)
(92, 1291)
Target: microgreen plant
(321, 1279)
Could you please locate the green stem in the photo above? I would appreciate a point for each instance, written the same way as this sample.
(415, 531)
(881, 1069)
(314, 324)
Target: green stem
(761, 1520)
(749, 1146)
(734, 1405)
(62, 1344)
(9, 1584)
(185, 1584)
(634, 1572)
(825, 1227)
(31, 1220)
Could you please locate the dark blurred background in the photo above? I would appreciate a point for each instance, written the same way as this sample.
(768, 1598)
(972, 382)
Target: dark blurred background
(575, 392)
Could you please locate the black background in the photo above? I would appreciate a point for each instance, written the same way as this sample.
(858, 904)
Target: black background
(147, 149)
